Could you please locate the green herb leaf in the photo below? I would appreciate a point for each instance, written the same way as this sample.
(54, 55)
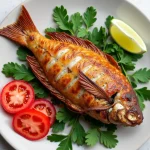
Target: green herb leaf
(141, 75)
(141, 101)
(62, 19)
(94, 37)
(56, 137)
(129, 66)
(127, 62)
(21, 72)
(8, 69)
(50, 30)
(63, 115)
(92, 137)
(65, 144)
(93, 122)
(103, 38)
(90, 17)
(76, 21)
(125, 59)
(108, 139)
(78, 133)
(108, 21)
(39, 89)
(58, 126)
(144, 92)
(53, 30)
(82, 33)
(134, 57)
(18, 72)
(22, 53)
(113, 48)
(111, 127)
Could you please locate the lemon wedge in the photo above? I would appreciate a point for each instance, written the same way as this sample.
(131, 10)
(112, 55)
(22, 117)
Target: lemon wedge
(126, 37)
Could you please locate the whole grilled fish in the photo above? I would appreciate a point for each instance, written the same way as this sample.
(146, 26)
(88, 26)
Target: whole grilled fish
(78, 73)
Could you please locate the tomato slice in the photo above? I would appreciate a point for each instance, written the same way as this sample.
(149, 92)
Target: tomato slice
(46, 107)
(16, 96)
(31, 124)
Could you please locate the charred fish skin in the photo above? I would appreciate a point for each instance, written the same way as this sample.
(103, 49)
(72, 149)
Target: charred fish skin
(63, 57)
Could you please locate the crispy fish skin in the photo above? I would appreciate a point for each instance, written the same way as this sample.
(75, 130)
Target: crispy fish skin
(62, 61)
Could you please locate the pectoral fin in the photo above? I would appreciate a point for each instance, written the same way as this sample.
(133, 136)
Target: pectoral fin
(92, 88)
(63, 37)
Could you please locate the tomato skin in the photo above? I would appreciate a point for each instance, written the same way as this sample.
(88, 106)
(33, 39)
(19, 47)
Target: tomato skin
(46, 107)
(24, 90)
(22, 127)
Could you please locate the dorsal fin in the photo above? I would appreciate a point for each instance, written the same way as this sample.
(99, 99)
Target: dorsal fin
(113, 61)
(64, 37)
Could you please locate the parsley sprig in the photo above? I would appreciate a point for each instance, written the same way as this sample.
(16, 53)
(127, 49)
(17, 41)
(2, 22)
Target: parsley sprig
(77, 133)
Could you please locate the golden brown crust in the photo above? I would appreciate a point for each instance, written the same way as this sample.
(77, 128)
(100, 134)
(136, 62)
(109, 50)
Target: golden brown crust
(100, 66)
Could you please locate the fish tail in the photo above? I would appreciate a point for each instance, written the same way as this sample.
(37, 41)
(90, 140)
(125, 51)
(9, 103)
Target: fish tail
(19, 31)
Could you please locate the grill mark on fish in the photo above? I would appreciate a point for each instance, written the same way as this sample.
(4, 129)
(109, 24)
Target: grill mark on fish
(54, 70)
(62, 52)
(62, 73)
(69, 66)
(84, 70)
(72, 83)
(75, 88)
(50, 63)
(97, 78)
(76, 79)
(64, 81)
(59, 48)
(81, 93)
(74, 61)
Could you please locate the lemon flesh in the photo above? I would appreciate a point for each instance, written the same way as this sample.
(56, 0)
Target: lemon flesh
(126, 37)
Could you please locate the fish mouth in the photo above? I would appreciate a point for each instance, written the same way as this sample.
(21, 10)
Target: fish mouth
(130, 117)
(134, 115)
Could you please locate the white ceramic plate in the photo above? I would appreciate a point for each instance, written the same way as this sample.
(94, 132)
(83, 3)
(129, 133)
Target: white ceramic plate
(41, 13)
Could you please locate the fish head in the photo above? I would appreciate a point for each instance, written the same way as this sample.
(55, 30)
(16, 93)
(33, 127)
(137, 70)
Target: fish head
(126, 110)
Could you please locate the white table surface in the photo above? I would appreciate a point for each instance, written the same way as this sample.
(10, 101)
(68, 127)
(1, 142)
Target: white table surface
(6, 6)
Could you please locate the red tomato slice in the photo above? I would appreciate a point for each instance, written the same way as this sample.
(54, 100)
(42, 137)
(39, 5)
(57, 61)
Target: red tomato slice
(46, 107)
(16, 96)
(31, 124)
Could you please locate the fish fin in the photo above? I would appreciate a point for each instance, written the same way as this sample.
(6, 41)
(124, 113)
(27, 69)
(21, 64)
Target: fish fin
(18, 31)
(38, 72)
(113, 61)
(91, 87)
(64, 37)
